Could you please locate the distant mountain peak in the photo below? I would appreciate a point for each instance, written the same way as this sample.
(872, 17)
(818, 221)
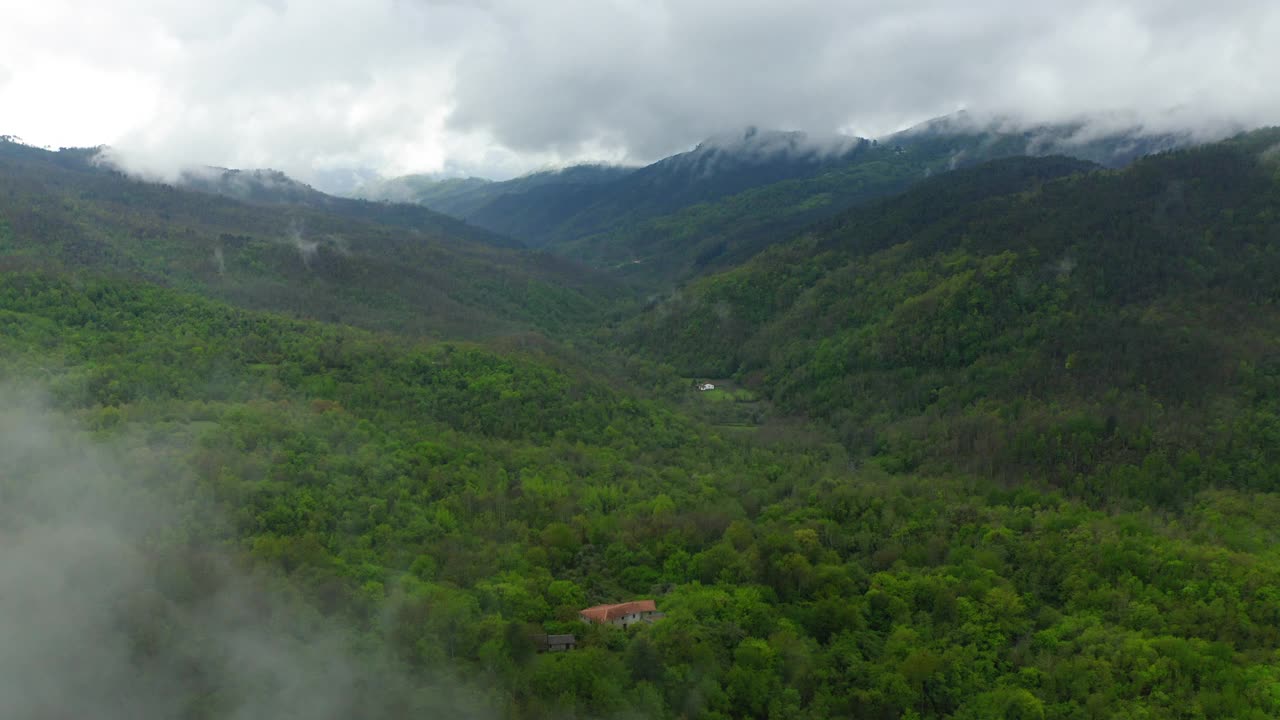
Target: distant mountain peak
(755, 141)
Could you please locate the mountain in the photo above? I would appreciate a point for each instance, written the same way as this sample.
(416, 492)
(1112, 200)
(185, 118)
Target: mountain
(1002, 445)
(533, 205)
(284, 247)
(969, 139)
(546, 207)
(736, 194)
(274, 188)
(463, 197)
(704, 237)
(355, 502)
(1025, 315)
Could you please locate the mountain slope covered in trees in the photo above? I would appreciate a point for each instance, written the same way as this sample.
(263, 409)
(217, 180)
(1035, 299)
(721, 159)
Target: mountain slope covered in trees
(448, 502)
(1108, 329)
(274, 188)
(1010, 452)
(545, 208)
(305, 258)
(733, 196)
(467, 197)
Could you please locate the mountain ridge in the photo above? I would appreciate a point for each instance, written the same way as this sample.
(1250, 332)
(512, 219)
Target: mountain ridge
(302, 258)
(1034, 281)
(731, 196)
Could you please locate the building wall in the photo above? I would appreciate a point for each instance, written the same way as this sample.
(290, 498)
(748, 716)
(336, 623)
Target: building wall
(630, 619)
(625, 620)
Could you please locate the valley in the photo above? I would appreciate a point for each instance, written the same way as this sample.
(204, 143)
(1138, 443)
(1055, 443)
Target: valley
(992, 434)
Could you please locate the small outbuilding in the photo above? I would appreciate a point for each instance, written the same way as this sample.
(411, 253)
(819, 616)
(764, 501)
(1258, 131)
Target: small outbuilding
(556, 643)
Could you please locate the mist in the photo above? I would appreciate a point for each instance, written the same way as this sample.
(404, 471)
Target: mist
(118, 601)
(767, 145)
(307, 249)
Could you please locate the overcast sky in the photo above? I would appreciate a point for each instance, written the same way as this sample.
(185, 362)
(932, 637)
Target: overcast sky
(497, 87)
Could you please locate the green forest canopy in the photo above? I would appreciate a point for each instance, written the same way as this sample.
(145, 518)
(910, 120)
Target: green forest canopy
(1039, 480)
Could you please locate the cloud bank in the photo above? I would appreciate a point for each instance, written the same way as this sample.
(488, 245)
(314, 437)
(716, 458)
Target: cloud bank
(496, 87)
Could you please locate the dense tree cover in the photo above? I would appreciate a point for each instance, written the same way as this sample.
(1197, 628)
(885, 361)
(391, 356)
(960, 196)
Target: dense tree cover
(727, 231)
(549, 193)
(261, 187)
(545, 208)
(1040, 483)
(274, 188)
(63, 211)
(729, 198)
(449, 501)
(1103, 329)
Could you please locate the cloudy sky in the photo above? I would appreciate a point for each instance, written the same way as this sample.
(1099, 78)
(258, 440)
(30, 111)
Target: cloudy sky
(497, 87)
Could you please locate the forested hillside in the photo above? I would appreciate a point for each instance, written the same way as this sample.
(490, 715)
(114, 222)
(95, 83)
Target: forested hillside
(731, 197)
(1002, 446)
(722, 233)
(58, 209)
(1107, 330)
(274, 188)
(562, 190)
(447, 503)
(546, 208)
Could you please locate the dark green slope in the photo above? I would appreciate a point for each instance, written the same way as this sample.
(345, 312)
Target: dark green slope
(428, 190)
(729, 198)
(559, 206)
(58, 210)
(1110, 329)
(726, 231)
(465, 197)
(274, 188)
(716, 235)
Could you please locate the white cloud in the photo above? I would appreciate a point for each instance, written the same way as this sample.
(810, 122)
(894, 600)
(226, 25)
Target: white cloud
(500, 86)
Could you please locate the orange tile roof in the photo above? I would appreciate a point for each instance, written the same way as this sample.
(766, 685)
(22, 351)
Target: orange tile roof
(605, 613)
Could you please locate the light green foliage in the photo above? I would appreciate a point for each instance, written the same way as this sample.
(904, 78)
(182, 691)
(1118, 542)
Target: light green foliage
(472, 498)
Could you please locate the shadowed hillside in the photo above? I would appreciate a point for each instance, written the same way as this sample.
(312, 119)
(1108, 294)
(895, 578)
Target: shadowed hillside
(1100, 328)
(313, 258)
(735, 195)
